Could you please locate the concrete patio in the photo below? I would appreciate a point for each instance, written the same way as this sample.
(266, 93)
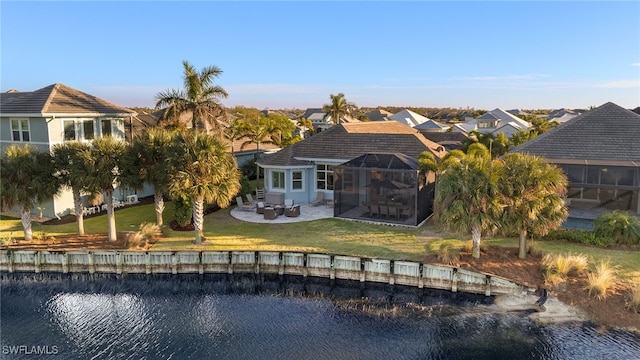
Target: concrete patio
(307, 213)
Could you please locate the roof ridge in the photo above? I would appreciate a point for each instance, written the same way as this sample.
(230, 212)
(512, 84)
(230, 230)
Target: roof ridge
(52, 93)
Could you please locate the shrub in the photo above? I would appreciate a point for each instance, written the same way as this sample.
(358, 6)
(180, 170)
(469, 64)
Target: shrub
(182, 210)
(578, 236)
(533, 248)
(557, 267)
(620, 226)
(150, 231)
(448, 253)
(601, 281)
(634, 301)
(136, 239)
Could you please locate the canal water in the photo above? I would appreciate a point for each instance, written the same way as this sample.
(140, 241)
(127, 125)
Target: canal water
(82, 316)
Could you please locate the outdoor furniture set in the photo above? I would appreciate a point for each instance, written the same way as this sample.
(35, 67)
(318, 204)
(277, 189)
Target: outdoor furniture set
(273, 206)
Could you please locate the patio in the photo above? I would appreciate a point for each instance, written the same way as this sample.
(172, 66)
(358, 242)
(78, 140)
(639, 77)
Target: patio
(307, 213)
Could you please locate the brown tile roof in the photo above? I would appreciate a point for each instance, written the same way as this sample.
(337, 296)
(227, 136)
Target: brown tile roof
(57, 99)
(608, 134)
(348, 141)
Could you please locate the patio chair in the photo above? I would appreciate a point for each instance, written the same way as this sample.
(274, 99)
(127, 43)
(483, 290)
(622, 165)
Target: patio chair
(292, 211)
(260, 207)
(270, 213)
(318, 200)
(288, 202)
(242, 206)
(260, 194)
(250, 200)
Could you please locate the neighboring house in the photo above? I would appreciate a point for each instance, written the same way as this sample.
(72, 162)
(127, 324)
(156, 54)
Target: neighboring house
(497, 121)
(431, 126)
(378, 115)
(449, 139)
(517, 112)
(321, 121)
(301, 170)
(563, 114)
(408, 118)
(53, 115)
(599, 151)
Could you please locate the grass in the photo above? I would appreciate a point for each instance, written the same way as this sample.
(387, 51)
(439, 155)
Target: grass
(602, 280)
(634, 294)
(335, 236)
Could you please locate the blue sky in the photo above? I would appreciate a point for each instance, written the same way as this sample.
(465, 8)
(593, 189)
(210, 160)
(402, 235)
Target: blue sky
(293, 54)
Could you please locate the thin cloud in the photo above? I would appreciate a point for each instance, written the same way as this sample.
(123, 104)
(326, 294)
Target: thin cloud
(619, 84)
(635, 64)
(501, 78)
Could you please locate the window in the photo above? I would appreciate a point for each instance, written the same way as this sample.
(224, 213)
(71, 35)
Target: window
(79, 129)
(324, 176)
(20, 130)
(106, 128)
(277, 180)
(296, 180)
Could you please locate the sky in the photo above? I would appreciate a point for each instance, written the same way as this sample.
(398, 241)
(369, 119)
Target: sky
(295, 54)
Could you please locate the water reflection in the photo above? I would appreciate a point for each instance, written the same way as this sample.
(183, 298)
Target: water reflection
(247, 317)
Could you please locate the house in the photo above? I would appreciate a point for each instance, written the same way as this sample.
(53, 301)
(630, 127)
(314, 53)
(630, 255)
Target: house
(497, 121)
(408, 118)
(53, 115)
(301, 170)
(378, 115)
(599, 151)
(451, 140)
(431, 126)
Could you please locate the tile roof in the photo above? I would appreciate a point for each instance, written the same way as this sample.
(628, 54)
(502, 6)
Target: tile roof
(347, 141)
(408, 117)
(57, 99)
(608, 133)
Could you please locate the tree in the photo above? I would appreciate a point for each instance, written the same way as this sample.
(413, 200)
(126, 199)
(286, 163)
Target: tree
(467, 197)
(338, 108)
(281, 129)
(105, 161)
(498, 145)
(256, 128)
(522, 136)
(148, 159)
(307, 126)
(532, 192)
(233, 131)
(203, 170)
(200, 98)
(27, 179)
(72, 171)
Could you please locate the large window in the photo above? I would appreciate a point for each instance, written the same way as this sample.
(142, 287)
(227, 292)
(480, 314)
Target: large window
(277, 180)
(20, 130)
(296, 180)
(79, 129)
(324, 175)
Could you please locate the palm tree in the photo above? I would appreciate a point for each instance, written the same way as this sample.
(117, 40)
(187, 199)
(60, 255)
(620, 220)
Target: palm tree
(203, 170)
(281, 129)
(467, 198)
(256, 128)
(148, 159)
(72, 172)
(233, 131)
(200, 98)
(338, 108)
(27, 179)
(105, 161)
(533, 194)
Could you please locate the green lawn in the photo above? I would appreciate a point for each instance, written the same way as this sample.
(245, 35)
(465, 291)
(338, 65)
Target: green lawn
(334, 236)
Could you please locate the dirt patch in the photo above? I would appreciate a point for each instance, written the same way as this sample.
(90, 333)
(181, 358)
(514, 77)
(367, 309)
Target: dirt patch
(504, 262)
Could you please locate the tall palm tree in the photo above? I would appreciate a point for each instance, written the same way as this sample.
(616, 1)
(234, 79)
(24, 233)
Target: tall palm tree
(338, 108)
(233, 131)
(200, 98)
(203, 170)
(467, 196)
(148, 158)
(27, 179)
(105, 161)
(533, 194)
(72, 171)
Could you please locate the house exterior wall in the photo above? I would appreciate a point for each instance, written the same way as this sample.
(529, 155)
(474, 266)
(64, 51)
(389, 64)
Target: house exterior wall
(299, 196)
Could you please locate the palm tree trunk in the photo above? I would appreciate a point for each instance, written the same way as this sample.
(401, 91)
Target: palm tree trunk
(257, 166)
(522, 252)
(77, 205)
(25, 216)
(111, 219)
(476, 234)
(158, 200)
(198, 218)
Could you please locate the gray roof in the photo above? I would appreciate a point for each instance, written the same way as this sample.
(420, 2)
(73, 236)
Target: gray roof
(347, 141)
(608, 134)
(57, 99)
